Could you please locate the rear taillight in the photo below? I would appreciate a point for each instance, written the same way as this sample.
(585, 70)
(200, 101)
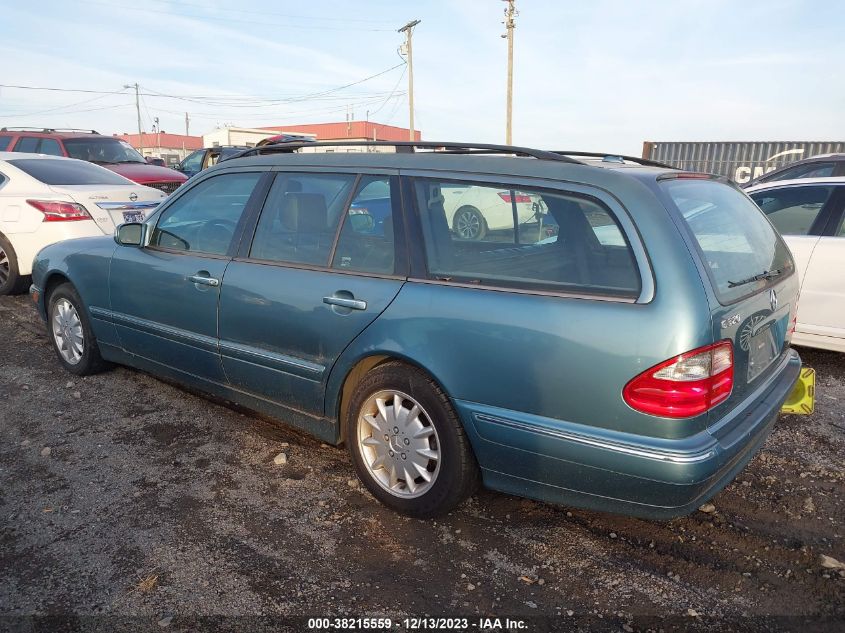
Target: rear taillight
(56, 211)
(684, 386)
(517, 197)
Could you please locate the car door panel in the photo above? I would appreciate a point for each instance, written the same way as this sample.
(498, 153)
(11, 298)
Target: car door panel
(160, 314)
(284, 322)
(279, 338)
(164, 297)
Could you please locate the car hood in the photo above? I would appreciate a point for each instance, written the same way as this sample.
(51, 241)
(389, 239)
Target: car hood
(144, 173)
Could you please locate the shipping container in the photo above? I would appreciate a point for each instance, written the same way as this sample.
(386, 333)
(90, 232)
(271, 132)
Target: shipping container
(741, 161)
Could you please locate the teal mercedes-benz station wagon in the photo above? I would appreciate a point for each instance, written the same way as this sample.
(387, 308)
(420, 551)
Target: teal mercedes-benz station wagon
(622, 343)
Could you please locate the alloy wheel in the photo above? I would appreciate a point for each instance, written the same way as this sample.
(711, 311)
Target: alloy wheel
(398, 444)
(67, 331)
(468, 224)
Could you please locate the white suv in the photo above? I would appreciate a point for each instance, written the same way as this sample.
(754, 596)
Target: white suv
(46, 199)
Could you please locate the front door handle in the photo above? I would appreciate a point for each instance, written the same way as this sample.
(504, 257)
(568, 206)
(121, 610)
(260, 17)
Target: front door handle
(343, 302)
(206, 281)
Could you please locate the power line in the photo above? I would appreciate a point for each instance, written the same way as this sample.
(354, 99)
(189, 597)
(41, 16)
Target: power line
(210, 100)
(67, 105)
(306, 97)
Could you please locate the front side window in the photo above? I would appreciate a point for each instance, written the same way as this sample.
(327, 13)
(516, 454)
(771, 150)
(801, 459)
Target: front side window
(193, 162)
(300, 218)
(793, 210)
(736, 241)
(204, 218)
(516, 237)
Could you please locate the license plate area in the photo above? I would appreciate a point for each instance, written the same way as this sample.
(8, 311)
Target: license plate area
(762, 351)
(133, 216)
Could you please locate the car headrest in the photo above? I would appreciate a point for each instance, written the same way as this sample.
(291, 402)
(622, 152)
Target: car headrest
(304, 212)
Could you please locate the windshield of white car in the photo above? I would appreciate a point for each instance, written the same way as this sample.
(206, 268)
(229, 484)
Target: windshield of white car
(60, 171)
(102, 150)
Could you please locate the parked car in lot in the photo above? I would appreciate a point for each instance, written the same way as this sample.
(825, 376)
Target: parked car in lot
(47, 199)
(819, 166)
(207, 157)
(810, 214)
(107, 151)
(155, 160)
(634, 363)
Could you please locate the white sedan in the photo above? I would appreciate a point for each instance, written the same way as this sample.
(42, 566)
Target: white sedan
(473, 211)
(809, 215)
(46, 199)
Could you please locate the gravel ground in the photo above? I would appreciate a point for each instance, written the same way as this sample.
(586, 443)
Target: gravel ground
(124, 499)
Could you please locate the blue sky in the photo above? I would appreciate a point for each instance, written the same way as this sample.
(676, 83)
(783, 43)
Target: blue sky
(601, 75)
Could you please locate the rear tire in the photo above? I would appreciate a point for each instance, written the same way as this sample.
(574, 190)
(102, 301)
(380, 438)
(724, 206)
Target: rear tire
(11, 281)
(469, 224)
(71, 334)
(407, 444)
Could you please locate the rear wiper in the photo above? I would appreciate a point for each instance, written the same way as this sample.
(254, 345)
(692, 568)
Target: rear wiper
(766, 274)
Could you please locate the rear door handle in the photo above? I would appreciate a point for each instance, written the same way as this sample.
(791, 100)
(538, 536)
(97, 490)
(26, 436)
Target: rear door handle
(352, 304)
(206, 281)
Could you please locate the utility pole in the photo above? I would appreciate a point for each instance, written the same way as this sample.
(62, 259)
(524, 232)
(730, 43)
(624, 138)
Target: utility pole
(408, 30)
(187, 123)
(138, 110)
(510, 14)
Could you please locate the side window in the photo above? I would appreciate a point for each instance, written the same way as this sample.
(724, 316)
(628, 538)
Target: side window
(203, 220)
(4, 142)
(523, 239)
(27, 144)
(366, 238)
(300, 218)
(793, 209)
(810, 170)
(193, 162)
(50, 146)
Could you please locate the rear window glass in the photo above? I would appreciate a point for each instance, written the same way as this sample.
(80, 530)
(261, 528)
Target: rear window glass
(736, 240)
(67, 172)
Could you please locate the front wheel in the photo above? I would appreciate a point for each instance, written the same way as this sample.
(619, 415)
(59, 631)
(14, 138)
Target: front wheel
(407, 444)
(71, 334)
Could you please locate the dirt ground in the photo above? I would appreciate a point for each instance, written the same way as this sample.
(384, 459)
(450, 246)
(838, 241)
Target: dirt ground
(126, 501)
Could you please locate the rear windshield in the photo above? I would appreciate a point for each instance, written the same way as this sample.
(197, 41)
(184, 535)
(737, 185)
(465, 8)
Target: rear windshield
(67, 172)
(736, 240)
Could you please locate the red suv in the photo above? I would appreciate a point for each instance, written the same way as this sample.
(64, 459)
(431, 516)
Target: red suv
(108, 151)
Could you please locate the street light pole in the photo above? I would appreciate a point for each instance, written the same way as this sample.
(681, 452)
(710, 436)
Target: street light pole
(138, 110)
(408, 29)
(510, 14)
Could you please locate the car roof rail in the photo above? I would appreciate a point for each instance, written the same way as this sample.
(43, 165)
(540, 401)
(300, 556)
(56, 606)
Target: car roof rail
(410, 147)
(608, 157)
(46, 130)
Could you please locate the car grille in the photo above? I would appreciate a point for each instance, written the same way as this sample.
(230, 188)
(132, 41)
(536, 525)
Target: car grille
(166, 187)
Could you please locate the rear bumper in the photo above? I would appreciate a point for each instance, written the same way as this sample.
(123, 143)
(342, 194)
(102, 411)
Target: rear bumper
(578, 465)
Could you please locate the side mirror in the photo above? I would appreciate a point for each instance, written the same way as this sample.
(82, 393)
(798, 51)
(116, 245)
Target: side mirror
(130, 234)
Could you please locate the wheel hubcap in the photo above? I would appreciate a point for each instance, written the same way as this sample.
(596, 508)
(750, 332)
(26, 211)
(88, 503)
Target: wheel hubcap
(4, 267)
(398, 443)
(67, 331)
(469, 225)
